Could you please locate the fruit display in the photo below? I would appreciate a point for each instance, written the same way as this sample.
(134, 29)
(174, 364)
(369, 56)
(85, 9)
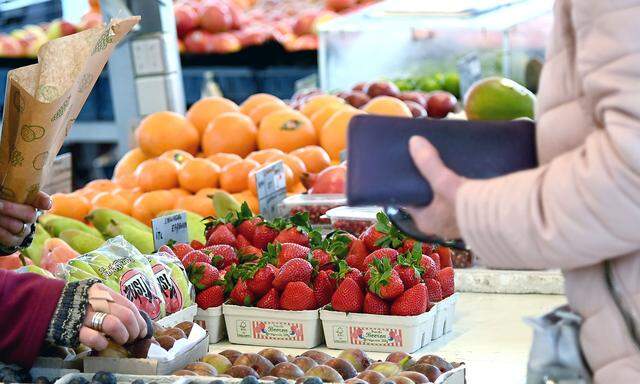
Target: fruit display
(227, 26)
(439, 81)
(354, 220)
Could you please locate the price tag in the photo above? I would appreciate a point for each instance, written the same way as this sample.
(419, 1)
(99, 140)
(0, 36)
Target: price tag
(59, 179)
(470, 71)
(168, 228)
(272, 189)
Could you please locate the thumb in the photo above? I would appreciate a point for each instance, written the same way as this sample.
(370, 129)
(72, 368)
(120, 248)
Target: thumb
(427, 160)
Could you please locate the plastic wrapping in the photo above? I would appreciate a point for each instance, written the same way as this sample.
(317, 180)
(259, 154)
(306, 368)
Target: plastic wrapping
(353, 219)
(316, 205)
(170, 274)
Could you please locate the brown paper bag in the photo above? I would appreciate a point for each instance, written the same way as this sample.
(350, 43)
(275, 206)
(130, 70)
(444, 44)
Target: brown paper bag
(43, 100)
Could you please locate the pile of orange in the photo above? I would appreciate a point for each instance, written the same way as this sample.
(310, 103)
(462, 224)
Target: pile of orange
(182, 160)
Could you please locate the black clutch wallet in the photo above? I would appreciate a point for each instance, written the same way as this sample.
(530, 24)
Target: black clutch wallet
(381, 171)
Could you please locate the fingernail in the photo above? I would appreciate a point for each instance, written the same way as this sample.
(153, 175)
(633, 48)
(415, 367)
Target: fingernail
(49, 204)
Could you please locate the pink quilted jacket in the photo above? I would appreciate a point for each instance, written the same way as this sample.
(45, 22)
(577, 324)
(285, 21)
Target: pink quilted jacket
(582, 206)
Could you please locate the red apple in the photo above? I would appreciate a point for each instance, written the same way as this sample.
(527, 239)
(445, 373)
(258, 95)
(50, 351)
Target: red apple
(440, 104)
(59, 28)
(196, 41)
(417, 110)
(238, 16)
(304, 23)
(252, 36)
(90, 20)
(215, 17)
(223, 42)
(359, 87)
(382, 88)
(357, 99)
(187, 19)
(10, 47)
(330, 180)
(416, 97)
(340, 5)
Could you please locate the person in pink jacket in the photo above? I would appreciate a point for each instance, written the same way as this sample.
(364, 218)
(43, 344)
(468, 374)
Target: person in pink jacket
(581, 206)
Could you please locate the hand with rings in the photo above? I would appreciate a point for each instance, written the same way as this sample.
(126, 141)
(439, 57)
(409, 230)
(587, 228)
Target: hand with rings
(16, 219)
(112, 316)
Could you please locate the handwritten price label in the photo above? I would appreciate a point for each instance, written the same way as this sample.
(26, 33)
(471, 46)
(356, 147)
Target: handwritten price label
(170, 228)
(272, 189)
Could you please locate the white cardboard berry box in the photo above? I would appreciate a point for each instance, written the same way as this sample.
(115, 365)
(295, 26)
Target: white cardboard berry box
(212, 320)
(377, 333)
(445, 315)
(273, 328)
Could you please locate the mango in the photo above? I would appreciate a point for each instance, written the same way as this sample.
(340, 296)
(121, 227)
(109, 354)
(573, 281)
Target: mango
(56, 226)
(101, 218)
(140, 239)
(34, 251)
(497, 98)
(224, 204)
(81, 242)
(34, 269)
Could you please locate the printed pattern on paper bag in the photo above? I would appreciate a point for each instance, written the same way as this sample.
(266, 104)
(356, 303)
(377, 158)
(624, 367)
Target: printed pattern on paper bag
(40, 160)
(16, 158)
(32, 192)
(18, 101)
(103, 42)
(7, 193)
(48, 92)
(84, 82)
(30, 132)
(277, 330)
(375, 336)
(60, 110)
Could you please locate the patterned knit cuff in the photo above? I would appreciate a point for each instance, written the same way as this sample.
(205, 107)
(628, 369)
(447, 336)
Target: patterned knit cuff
(71, 310)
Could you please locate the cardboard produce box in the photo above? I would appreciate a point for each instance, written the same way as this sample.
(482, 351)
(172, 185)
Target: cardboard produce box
(185, 351)
(186, 314)
(212, 320)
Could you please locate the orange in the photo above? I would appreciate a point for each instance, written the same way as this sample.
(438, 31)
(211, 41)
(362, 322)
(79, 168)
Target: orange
(158, 173)
(250, 199)
(230, 132)
(296, 165)
(333, 137)
(128, 164)
(89, 194)
(262, 155)
(127, 181)
(323, 114)
(162, 131)
(177, 155)
(298, 189)
(207, 192)
(254, 100)
(317, 102)
(315, 158)
(205, 110)
(387, 106)
(179, 192)
(101, 185)
(111, 201)
(233, 177)
(262, 110)
(196, 174)
(71, 205)
(201, 205)
(129, 195)
(286, 130)
(251, 178)
(150, 204)
(223, 159)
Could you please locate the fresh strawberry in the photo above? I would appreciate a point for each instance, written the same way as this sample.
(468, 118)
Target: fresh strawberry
(264, 235)
(321, 256)
(445, 257)
(293, 270)
(385, 281)
(242, 242)
(409, 244)
(412, 302)
(409, 268)
(446, 280)
(270, 300)
(167, 249)
(195, 256)
(245, 222)
(292, 235)
(435, 290)
(348, 297)
(222, 235)
(357, 254)
(323, 288)
(436, 258)
(261, 279)
(287, 251)
(222, 255)
(297, 296)
(375, 305)
(382, 235)
(210, 297)
(202, 274)
(429, 267)
(345, 271)
(195, 244)
(249, 253)
(181, 250)
(383, 253)
(241, 295)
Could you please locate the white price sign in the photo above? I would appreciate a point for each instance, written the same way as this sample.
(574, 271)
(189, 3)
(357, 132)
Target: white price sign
(271, 184)
(170, 228)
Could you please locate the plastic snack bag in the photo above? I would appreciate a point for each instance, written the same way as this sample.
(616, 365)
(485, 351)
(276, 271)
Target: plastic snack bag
(173, 280)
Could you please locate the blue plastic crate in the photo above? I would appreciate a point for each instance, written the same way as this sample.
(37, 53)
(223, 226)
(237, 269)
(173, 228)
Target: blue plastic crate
(280, 81)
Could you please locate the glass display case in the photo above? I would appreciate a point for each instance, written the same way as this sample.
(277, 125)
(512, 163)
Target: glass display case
(419, 38)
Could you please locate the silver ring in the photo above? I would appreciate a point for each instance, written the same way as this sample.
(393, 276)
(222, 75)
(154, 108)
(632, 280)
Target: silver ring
(25, 228)
(97, 320)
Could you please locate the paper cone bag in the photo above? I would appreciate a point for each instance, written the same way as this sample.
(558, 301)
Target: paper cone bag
(43, 100)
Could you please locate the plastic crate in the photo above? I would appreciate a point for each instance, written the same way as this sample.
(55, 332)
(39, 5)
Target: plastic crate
(281, 81)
